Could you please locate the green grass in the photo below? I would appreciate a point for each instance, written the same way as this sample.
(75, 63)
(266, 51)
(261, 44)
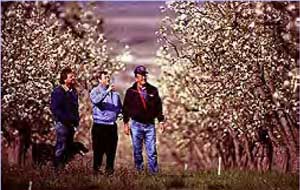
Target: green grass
(81, 178)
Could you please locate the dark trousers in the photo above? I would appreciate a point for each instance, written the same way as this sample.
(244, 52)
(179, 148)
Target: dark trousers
(105, 139)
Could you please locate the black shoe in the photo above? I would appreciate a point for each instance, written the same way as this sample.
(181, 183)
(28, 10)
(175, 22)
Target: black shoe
(97, 172)
(59, 166)
(109, 172)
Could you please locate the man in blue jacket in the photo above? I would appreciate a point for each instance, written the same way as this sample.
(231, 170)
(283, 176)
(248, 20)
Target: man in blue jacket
(143, 105)
(106, 108)
(64, 107)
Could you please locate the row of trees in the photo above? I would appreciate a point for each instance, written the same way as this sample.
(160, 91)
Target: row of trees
(229, 81)
(38, 40)
(229, 76)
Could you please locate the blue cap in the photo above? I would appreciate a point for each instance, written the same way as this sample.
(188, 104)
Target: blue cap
(140, 70)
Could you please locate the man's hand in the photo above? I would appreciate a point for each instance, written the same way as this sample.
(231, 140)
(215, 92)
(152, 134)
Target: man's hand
(126, 128)
(162, 127)
(111, 88)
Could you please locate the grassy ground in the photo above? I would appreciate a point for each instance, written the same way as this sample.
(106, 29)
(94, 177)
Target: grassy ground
(81, 178)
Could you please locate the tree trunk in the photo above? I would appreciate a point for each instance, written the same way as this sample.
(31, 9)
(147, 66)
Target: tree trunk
(250, 163)
(236, 145)
(291, 142)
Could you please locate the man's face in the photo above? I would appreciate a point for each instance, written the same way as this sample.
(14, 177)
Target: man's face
(70, 80)
(141, 79)
(104, 79)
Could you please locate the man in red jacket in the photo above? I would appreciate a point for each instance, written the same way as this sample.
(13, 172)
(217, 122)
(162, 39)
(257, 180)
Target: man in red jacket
(142, 105)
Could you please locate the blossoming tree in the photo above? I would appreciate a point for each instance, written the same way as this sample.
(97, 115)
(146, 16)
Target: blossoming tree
(229, 79)
(38, 40)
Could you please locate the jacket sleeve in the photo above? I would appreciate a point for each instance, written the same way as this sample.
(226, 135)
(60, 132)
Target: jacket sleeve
(97, 96)
(126, 107)
(159, 110)
(56, 106)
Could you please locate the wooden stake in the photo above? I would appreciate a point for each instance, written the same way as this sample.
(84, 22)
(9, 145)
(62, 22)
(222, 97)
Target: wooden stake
(219, 168)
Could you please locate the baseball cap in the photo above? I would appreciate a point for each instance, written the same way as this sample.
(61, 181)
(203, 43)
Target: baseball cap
(140, 69)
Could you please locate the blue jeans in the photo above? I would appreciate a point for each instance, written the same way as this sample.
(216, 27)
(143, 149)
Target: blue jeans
(144, 133)
(64, 139)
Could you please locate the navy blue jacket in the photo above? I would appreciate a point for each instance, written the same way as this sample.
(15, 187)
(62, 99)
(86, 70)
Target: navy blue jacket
(133, 106)
(64, 106)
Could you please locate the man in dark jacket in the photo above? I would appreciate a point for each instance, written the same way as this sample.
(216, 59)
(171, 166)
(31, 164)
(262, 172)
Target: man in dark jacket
(142, 104)
(64, 107)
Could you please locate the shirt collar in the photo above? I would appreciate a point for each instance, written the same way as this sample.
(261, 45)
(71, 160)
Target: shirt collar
(135, 86)
(65, 88)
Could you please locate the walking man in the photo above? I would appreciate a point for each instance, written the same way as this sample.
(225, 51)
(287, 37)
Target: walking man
(142, 105)
(106, 108)
(64, 107)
